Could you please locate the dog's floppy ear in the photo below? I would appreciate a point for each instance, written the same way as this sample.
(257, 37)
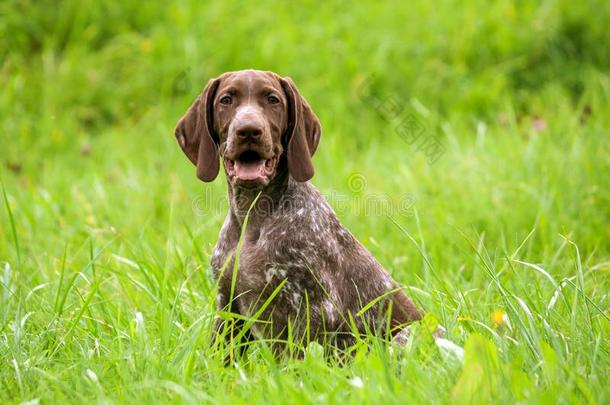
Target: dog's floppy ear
(302, 134)
(195, 134)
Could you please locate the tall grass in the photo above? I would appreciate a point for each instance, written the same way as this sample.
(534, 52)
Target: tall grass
(105, 233)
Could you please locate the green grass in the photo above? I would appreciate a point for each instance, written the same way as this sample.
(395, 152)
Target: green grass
(105, 232)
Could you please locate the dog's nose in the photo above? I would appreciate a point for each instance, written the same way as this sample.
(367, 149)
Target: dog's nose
(249, 130)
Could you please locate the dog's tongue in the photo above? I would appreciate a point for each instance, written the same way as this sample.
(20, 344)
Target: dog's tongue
(250, 170)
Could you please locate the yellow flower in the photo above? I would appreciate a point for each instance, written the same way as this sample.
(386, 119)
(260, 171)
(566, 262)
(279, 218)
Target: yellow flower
(499, 318)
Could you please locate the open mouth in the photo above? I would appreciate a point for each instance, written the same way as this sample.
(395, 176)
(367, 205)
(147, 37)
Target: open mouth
(250, 167)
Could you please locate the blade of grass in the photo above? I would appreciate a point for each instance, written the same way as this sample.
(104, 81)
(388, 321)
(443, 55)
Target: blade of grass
(12, 222)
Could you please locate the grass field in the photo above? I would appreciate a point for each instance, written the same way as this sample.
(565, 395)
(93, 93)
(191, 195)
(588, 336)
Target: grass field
(503, 236)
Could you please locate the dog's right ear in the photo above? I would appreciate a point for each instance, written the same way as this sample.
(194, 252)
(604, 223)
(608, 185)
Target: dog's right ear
(195, 134)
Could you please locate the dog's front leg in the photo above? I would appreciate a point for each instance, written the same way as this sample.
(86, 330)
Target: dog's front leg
(227, 325)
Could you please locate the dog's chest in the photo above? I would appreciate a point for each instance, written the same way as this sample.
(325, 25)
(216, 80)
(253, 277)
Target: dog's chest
(284, 255)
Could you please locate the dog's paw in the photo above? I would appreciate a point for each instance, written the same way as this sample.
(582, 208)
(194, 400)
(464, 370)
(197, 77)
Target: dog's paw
(402, 337)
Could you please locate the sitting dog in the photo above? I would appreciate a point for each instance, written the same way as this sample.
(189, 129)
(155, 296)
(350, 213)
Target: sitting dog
(299, 272)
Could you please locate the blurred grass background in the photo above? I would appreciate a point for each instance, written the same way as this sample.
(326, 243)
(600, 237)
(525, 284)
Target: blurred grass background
(103, 217)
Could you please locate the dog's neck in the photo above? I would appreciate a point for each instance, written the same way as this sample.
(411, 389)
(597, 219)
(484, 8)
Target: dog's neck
(268, 198)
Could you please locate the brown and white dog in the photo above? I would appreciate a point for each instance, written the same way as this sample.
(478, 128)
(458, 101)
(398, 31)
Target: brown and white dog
(327, 285)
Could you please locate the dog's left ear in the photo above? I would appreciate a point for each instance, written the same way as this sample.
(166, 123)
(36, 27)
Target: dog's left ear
(195, 134)
(302, 134)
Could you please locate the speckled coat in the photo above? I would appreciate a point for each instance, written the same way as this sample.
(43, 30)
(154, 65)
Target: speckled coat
(299, 272)
(294, 237)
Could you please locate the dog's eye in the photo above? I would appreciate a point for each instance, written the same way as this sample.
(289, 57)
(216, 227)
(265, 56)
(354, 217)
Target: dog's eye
(273, 99)
(226, 100)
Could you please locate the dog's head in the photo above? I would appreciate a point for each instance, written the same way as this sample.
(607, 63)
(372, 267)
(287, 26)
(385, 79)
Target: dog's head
(257, 122)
